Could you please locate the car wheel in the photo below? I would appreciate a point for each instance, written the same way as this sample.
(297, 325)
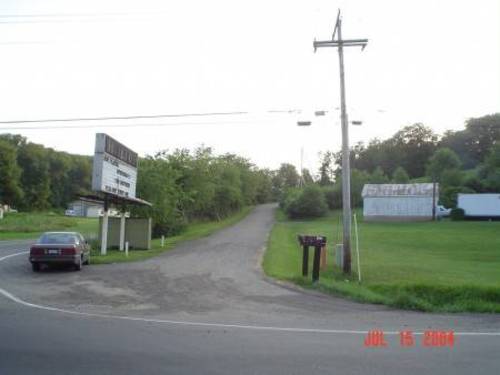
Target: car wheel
(78, 265)
(35, 267)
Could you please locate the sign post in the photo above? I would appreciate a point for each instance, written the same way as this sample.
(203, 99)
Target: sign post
(104, 236)
(114, 174)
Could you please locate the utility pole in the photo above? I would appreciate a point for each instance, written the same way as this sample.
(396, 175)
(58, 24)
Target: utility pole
(302, 167)
(346, 171)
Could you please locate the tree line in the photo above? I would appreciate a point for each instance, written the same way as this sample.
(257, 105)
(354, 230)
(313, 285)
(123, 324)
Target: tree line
(33, 177)
(182, 186)
(463, 161)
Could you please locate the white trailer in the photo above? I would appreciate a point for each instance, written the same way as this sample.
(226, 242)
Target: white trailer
(480, 205)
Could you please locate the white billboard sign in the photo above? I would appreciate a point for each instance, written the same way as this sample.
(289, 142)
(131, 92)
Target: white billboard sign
(115, 167)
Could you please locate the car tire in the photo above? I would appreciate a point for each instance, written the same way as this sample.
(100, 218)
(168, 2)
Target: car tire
(35, 267)
(78, 264)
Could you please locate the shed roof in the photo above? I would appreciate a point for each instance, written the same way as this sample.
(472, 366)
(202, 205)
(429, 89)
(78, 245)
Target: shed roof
(398, 190)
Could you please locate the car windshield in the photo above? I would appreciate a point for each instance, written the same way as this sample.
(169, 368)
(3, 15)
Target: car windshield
(57, 238)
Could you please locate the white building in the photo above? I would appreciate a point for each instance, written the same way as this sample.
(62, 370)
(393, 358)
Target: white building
(85, 208)
(399, 202)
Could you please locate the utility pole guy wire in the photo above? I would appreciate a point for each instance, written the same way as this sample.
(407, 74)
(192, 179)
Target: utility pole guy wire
(346, 171)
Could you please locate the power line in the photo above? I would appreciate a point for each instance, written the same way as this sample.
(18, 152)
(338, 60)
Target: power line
(97, 126)
(133, 117)
(62, 15)
(69, 17)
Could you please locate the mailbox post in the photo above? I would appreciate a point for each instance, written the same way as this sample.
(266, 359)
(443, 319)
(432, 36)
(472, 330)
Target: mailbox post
(318, 242)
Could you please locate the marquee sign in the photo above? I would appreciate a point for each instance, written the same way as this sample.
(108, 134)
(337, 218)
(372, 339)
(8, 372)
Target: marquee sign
(115, 167)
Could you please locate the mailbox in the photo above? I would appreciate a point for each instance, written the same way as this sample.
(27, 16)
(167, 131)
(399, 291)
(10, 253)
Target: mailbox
(318, 242)
(312, 240)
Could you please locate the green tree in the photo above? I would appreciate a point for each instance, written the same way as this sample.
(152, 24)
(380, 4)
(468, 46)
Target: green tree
(414, 145)
(326, 174)
(59, 164)
(492, 169)
(10, 175)
(286, 177)
(378, 177)
(400, 176)
(442, 164)
(35, 177)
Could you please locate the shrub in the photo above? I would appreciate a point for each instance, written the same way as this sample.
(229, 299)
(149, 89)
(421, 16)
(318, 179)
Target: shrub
(333, 196)
(288, 196)
(457, 214)
(309, 203)
(449, 194)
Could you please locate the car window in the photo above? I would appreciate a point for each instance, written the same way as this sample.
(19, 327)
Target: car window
(58, 238)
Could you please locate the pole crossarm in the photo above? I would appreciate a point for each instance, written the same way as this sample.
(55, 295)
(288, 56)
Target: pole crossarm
(337, 43)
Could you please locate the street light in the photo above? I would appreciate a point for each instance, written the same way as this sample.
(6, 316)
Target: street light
(304, 123)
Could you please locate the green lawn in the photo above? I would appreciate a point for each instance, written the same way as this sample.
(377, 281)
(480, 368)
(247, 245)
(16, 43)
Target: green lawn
(31, 224)
(430, 266)
(193, 231)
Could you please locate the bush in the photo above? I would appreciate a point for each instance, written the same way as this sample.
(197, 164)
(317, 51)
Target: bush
(457, 214)
(309, 203)
(449, 194)
(333, 196)
(289, 196)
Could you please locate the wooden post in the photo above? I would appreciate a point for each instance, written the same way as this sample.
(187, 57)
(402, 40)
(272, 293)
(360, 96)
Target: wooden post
(317, 256)
(322, 265)
(305, 260)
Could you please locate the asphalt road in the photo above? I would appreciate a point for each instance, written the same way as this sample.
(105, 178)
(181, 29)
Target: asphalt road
(206, 308)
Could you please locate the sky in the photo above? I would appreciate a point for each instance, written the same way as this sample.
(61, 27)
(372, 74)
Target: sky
(435, 62)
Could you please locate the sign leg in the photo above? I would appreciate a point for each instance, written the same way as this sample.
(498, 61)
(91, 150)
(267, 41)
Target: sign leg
(305, 260)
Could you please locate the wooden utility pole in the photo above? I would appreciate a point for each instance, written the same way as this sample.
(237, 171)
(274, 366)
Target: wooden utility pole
(346, 171)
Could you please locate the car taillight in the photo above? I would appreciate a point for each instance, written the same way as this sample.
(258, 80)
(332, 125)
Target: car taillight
(36, 251)
(69, 251)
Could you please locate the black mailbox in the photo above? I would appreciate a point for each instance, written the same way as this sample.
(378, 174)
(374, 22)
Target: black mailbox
(318, 242)
(312, 240)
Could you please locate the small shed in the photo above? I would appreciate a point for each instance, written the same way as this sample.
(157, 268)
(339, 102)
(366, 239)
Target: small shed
(399, 202)
(86, 207)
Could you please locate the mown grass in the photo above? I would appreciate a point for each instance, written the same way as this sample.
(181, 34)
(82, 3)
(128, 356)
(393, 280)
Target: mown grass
(25, 225)
(194, 231)
(428, 266)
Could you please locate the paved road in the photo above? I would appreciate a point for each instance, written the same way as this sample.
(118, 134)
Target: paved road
(206, 308)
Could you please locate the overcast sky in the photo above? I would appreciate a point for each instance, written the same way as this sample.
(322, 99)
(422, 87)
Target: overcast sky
(436, 62)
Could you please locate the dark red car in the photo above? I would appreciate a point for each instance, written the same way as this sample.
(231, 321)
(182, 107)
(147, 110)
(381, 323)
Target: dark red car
(60, 248)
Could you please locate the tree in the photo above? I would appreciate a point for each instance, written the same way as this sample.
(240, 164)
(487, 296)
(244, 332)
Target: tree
(492, 169)
(413, 146)
(442, 163)
(400, 176)
(483, 133)
(35, 177)
(10, 174)
(378, 177)
(326, 168)
(285, 178)
(59, 164)
(474, 143)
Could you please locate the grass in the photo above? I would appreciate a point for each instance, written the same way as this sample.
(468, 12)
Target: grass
(444, 266)
(23, 225)
(194, 231)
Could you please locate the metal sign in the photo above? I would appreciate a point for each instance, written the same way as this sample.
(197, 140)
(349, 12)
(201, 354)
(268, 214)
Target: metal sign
(115, 167)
